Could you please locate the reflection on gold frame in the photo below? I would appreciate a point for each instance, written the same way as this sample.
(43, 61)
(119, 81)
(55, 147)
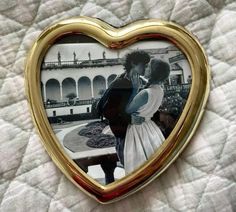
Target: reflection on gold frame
(116, 38)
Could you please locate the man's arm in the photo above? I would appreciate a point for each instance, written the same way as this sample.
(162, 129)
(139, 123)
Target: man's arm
(138, 101)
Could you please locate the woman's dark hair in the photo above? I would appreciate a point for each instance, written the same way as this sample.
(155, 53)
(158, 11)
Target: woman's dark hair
(160, 71)
(136, 57)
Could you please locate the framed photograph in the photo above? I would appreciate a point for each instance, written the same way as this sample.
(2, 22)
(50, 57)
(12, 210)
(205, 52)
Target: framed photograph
(116, 106)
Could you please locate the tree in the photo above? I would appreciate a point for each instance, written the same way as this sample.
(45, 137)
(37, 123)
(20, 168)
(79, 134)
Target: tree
(71, 98)
(71, 95)
(101, 92)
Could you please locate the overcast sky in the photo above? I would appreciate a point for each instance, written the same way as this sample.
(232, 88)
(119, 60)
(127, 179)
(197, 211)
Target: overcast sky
(96, 50)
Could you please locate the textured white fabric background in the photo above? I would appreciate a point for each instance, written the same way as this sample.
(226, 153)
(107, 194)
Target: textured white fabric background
(202, 179)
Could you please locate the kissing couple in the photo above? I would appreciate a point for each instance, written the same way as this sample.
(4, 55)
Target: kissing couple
(129, 105)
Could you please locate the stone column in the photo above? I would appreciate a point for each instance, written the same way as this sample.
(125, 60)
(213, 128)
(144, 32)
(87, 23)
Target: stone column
(77, 88)
(106, 82)
(169, 80)
(61, 92)
(92, 89)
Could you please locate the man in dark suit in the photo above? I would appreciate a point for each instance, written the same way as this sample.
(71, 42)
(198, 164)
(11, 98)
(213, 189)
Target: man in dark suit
(114, 101)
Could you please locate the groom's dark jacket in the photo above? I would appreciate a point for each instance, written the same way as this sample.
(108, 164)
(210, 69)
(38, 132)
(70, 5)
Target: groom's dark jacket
(113, 103)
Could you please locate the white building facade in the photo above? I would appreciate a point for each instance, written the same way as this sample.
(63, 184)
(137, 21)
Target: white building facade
(85, 81)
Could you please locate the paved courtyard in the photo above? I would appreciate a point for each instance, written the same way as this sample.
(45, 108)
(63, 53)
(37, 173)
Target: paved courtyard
(74, 144)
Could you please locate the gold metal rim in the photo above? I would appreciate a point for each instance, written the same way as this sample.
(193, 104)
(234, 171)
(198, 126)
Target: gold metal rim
(119, 38)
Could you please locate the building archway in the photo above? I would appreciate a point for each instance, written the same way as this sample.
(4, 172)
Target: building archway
(99, 86)
(84, 88)
(52, 89)
(68, 87)
(111, 78)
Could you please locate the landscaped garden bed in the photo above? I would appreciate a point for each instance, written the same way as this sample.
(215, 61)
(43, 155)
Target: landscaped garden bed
(97, 139)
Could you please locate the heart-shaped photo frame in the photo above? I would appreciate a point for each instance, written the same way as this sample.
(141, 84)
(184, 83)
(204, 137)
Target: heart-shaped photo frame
(51, 77)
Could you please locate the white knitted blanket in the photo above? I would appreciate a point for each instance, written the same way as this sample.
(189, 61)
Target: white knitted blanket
(201, 179)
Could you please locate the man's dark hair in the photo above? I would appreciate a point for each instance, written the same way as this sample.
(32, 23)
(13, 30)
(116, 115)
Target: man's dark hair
(135, 57)
(160, 70)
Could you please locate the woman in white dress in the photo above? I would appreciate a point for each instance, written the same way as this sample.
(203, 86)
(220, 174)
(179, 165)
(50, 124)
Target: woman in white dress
(142, 140)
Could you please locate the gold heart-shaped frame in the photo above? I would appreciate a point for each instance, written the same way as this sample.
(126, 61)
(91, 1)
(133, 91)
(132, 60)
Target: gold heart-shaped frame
(116, 38)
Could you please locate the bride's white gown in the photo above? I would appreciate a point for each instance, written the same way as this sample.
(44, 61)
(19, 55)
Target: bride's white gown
(143, 140)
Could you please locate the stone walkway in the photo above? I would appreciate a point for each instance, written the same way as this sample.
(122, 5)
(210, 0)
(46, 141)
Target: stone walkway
(74, 143)
(68, 135)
